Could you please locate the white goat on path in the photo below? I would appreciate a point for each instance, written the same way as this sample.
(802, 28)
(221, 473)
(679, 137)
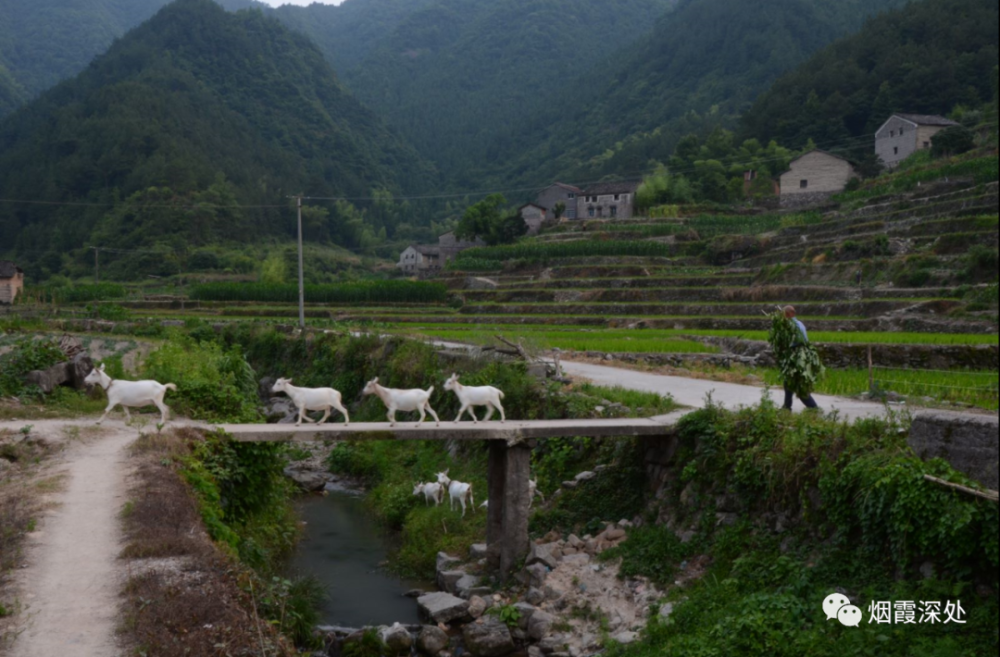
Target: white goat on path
(312, 399)
(457, 491)
(469, 397)
(134, 394)
(403, 400)
(431, 492)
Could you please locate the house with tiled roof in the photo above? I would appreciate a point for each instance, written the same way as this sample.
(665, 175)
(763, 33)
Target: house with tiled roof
(814, 177)
(11, 281)
(904, 134)
(558, 193)
(609, 200)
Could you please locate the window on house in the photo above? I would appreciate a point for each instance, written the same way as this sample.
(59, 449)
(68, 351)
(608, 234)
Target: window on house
(618, 197)
(571, 195)
(803, 184)
(901, 131)
(590, 211)
(892, 133)
(600, 211)
(895, 150)
(927, 144)
(614, 210)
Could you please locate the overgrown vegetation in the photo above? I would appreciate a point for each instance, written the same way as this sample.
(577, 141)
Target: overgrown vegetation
(27, 354)
(812, 505)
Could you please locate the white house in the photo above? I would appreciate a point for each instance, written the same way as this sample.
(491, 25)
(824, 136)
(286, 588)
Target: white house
(905, 134)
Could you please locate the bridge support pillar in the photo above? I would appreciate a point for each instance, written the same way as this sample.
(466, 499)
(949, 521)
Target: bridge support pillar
(507, 525)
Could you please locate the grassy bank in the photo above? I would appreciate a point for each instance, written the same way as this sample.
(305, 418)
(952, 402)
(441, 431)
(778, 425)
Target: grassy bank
(784, 511)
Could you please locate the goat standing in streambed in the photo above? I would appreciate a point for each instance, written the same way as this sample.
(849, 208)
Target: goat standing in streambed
(431, 492)
(403, 400)
(312, 399)
(134, 394)
(470, 397)
(457, 491)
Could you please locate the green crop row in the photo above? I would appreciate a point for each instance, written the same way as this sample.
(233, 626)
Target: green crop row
(365, 292)
(982, 169)
(78, 293)
(579, 249)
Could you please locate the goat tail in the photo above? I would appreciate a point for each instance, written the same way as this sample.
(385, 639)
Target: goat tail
(170, 386)
(502, 396)
(430, 391)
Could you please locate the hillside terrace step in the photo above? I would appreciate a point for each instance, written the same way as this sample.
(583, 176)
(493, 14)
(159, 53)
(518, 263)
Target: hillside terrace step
(735, 280)
(765, 293)
(865, 308)
(811, 249)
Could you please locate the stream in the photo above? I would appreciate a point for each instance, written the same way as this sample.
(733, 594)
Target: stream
(343, 547)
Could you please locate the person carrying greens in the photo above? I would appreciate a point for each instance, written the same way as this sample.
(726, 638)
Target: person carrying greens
(798, 361)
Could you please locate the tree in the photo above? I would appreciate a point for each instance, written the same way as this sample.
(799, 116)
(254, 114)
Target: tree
(483, 219)
(952, 141)
(559, 210)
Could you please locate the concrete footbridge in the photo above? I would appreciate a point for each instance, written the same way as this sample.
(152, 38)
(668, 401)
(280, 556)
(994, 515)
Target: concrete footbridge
(510, 445)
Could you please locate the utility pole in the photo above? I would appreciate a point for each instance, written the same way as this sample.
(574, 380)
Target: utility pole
(302, 284)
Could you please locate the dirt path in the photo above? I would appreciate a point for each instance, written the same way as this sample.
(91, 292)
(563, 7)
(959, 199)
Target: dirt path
(69, 589)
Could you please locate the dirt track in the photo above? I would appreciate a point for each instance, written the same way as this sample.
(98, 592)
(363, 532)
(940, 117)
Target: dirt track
(69, 589)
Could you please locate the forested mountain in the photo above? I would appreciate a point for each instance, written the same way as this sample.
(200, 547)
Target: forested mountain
(45, 41)
(348, 32)
(193, 112)
(701, 66)
(927, 58)
(453, 76)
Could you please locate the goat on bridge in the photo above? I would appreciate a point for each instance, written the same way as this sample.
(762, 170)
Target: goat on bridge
(312, 399)
(470, 397)
(403, 400)
(134, 394)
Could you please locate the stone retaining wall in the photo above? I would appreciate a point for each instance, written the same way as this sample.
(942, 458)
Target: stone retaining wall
(967, 442)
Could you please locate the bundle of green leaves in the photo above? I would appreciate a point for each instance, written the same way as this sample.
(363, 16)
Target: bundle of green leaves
(799, 362)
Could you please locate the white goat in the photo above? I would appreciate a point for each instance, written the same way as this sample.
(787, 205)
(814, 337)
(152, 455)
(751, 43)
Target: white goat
(431, 492)
(533, 491)
(457, 491)
(403, 400)
(312, 399)
(487, 396)
(132, 394)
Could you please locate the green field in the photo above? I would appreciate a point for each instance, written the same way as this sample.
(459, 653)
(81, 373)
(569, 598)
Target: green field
(968, 387)
(646, 340)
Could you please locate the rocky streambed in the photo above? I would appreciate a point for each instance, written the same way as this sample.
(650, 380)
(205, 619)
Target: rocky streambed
(565, 602)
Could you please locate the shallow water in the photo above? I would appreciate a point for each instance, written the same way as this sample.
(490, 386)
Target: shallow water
(343, 548)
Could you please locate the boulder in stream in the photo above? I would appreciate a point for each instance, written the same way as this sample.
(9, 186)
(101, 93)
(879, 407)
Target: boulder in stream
(442, 607)
(431, 640)
(488, 637)
(396, 639)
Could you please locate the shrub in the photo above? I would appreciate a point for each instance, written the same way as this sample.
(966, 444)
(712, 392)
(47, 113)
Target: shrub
(212, 384)
(26, 355)
(981, 264)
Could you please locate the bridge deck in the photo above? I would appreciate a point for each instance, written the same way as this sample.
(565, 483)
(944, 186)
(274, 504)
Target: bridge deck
(511, 431)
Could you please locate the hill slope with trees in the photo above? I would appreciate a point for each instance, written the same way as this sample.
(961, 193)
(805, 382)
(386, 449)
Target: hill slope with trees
(453, 76)
(701, 66)
(926, 59)
(187, 117)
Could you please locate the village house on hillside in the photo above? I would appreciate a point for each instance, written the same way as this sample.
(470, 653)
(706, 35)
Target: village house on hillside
(614, 200)
(558, 193)
(814, 177)
(426, 260)
(905, 134)
(11, 281)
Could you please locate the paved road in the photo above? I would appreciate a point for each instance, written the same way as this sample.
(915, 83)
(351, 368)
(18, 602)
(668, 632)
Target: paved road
(693, 392)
